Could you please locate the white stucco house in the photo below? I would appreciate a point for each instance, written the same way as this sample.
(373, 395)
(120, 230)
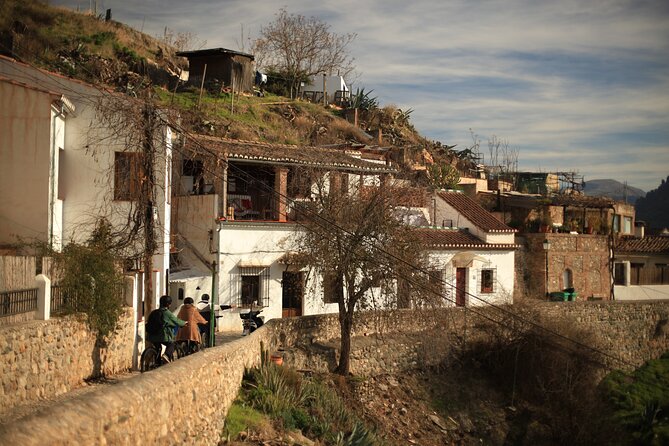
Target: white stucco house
(260, 187)
(641, 268)
(61, 170)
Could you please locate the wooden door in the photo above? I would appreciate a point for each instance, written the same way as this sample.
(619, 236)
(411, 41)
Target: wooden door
(292, 293)
(461, 286)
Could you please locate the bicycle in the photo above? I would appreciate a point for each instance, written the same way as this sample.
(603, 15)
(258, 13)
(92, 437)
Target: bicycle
(185, 348)
(150, 359)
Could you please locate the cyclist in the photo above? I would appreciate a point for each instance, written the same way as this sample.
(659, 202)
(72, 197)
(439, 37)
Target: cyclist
(190, 314)
(166, 335)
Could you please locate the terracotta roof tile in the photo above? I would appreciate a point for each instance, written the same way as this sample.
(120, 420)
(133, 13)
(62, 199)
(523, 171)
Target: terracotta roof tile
(649, 244)
(455, 238)
(321, 157)
(474, 212)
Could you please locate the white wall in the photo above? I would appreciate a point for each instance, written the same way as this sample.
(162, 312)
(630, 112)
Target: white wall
(446, 212)
(266, 244)
(332, 84)
(501, 260)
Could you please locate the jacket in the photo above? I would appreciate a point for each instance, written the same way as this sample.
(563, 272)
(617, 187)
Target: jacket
(191, 332)
(169, 322)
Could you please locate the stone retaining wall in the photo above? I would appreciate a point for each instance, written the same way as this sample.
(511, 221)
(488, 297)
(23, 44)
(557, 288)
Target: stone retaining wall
(186, 402)
(42, 359)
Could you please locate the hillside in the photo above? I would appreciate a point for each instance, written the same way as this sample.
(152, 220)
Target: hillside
(613, 189)
(110, 53)
(654, 207)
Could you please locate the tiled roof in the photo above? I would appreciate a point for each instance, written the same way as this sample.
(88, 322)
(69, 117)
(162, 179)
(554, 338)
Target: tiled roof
(455, 238)
(415, 197)
(647, 244)
(240, 150)
(474, 212)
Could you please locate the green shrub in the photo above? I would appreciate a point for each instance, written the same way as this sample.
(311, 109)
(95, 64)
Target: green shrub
(241, 418)
(640, 401)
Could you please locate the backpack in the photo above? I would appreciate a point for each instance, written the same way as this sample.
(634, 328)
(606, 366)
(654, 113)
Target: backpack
(154, 325)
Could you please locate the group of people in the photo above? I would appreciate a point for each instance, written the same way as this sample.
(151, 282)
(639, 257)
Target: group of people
(185, 322)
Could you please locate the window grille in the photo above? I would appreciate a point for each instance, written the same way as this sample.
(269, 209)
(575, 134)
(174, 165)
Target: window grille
(251, 286)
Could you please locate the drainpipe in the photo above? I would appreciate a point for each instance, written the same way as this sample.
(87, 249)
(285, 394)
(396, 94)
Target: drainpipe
(52, 180)
(214, 287)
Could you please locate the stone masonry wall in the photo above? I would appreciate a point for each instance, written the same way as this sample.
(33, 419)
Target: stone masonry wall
(42, 359)
(587, 256)
(186, 402)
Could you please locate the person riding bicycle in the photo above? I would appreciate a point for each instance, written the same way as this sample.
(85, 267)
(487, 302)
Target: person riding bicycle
(166, 335)
(190, 314)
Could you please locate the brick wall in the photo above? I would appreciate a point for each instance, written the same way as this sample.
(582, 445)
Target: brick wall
(587, 256)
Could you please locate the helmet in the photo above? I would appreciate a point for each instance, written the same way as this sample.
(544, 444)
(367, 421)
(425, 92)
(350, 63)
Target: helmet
(165, 301)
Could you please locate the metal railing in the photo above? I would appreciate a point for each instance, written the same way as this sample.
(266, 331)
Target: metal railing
(17, 302)
(61, 299)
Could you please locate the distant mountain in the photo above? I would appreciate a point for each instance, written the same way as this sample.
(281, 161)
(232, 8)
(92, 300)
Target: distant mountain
(654, 207)
(612, 189)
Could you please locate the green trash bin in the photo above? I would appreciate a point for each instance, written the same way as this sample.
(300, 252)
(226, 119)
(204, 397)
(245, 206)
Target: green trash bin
(558, 296)
(573, 296)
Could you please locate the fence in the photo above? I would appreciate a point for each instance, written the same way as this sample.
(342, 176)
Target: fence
(61, 299)
(16, 302)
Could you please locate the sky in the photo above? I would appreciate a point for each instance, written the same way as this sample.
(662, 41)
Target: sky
(573, 85)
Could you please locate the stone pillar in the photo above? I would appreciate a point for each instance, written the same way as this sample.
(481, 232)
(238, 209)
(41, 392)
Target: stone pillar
(43, 297)
(281, 190)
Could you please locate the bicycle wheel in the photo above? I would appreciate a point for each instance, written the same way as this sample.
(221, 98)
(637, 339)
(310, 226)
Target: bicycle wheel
(181, 349)
(148, 360)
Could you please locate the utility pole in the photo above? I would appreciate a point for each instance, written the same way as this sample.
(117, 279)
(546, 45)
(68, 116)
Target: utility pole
(146, 201)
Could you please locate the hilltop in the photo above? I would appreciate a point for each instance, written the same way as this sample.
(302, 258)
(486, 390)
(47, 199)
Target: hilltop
(613, 189)
(109, 53)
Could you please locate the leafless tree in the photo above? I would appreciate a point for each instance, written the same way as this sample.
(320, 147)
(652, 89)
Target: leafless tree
(297, 47)
(503, 157)
(364, 254)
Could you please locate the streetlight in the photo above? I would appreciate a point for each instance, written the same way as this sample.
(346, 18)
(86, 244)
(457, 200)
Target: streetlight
(547, 247)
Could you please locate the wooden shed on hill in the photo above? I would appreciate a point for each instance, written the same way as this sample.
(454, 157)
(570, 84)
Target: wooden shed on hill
(222, 65)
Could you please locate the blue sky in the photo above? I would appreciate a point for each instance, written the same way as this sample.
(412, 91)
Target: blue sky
(575, 85)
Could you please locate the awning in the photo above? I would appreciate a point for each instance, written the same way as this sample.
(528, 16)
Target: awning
(466, 259)
(254, 263)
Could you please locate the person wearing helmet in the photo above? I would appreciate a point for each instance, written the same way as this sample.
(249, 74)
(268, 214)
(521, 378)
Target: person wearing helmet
(166, 335)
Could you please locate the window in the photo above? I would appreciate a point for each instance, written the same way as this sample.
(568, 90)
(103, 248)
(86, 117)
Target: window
(488, 281)
(619, 274)
(333, 288)
(635, 273)
(250, 290)
(127, 175)
(567, 279)
(627, 225)
(252, 286)
(661, 274)
(616, 223)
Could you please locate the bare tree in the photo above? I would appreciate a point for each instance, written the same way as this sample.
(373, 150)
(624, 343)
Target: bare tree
(363, 253)
(296, 47)
(503, 157)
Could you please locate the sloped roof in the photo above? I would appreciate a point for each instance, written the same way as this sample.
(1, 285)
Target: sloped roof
(456, 238)
(251, 151)
(648, 244)
(213, 52)
(474, 212)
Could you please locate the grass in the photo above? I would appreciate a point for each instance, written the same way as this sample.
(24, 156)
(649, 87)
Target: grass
(295, 402)
(242, 418)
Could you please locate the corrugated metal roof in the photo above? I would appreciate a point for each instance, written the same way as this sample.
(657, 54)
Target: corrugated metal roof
(213, 52)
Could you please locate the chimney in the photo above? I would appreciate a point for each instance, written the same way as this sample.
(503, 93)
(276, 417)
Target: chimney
(639, 229)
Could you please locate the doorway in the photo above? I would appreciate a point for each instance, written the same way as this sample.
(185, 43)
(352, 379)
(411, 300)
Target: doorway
(460, 286)
(292, 293)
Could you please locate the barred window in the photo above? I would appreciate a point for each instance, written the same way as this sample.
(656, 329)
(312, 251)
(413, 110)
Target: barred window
(252, 286)
(488, 279)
